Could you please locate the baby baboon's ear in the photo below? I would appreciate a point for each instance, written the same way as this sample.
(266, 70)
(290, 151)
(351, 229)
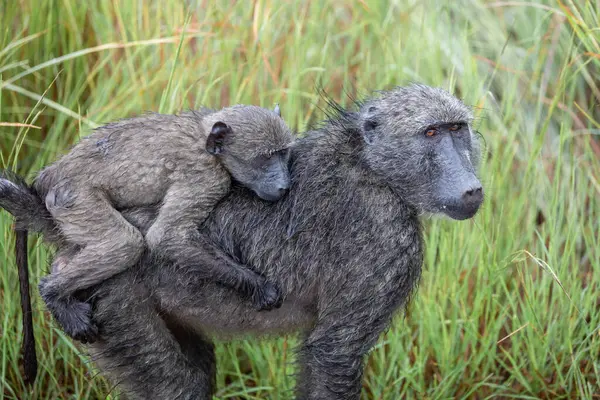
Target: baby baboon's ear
(369, 124)
(216, 137)
(277, 110)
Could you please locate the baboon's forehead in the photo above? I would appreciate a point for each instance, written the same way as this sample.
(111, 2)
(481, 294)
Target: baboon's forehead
(419, 106)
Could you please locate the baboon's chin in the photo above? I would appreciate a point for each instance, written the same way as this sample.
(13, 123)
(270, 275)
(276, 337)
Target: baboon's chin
(460, 213)
(270, 196)
(455, 212)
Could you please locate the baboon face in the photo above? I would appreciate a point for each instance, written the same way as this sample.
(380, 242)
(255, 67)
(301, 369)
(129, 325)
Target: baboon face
(266, 174)
(419, 140)
(254, 145)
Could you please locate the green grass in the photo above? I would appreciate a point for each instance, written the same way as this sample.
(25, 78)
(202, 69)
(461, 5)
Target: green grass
(509, 303)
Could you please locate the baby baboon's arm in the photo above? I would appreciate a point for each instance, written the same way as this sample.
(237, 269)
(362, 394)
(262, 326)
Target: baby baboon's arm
(209, 263)
(174, 236)
(186, 204)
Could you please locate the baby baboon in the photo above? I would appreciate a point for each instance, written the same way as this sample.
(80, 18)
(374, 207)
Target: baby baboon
(184, 164)
(344, 246)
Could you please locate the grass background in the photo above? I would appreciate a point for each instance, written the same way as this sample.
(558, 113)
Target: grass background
(509, 303)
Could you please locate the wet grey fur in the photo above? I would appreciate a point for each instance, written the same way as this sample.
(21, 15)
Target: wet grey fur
(180, 162)
(344, 246)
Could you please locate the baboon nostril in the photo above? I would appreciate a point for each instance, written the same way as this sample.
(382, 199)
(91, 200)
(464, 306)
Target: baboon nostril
(473, 194)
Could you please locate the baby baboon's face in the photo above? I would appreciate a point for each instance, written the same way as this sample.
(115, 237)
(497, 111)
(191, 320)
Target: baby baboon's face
(255, 148)
(266, 174)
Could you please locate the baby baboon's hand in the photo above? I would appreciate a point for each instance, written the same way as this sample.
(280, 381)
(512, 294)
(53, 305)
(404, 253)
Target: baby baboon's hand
(267, 296)
(74, 316)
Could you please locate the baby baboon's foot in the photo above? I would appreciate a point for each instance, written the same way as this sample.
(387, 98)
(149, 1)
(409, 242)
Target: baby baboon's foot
(74, 316)
(77, 321)
(267, 296)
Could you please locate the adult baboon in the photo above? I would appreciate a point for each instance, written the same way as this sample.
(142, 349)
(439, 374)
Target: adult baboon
(344, 246)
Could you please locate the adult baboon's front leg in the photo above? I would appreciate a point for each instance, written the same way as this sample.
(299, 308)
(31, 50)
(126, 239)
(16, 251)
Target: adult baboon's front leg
(330, 365)
(332, 355)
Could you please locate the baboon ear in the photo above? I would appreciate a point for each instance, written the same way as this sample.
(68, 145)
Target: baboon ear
(369, 127)
(216, 137)
(277, 110)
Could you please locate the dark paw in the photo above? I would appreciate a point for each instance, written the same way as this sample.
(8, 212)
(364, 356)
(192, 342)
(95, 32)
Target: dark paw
(74, 316)
(76, 321)
(267, 297)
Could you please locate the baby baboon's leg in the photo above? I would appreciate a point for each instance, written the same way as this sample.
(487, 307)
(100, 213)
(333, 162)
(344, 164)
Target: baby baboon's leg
(143, 355)
(62, 257)
(174, 235)
(108, 245)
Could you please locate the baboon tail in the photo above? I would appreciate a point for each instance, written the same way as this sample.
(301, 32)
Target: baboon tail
(24, 203)
(28, 346)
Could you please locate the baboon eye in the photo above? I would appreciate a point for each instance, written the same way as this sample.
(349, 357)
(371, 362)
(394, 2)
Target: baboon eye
(431, 132)
(455, 127)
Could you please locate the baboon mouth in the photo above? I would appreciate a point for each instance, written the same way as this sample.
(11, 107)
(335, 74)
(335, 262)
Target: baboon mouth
(270, 196)
(460, 212)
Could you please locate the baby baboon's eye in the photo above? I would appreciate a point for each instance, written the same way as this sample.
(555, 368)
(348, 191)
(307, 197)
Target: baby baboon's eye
(284, 154)
(455, 127)
(431, 132)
